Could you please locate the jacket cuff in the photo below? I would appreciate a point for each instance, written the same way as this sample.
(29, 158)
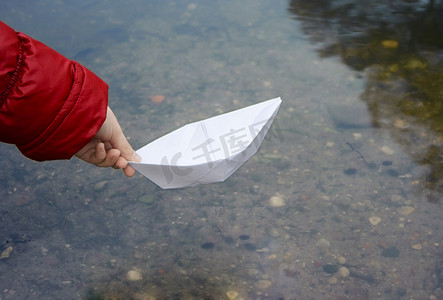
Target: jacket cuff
(76, 123)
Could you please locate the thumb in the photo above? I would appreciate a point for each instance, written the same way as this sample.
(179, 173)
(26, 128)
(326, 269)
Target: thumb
(119, 141)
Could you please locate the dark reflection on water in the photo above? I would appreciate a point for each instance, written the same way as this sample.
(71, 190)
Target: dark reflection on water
(400, 45)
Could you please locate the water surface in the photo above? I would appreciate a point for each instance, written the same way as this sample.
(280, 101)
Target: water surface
(355, 153)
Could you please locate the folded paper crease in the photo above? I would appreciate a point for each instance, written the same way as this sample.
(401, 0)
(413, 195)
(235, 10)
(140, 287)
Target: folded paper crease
(209, 150)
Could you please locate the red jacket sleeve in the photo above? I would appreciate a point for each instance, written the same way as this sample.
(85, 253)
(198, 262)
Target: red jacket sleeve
(50, 107)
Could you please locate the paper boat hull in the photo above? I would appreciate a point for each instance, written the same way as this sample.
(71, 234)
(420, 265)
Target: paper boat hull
(209, 150)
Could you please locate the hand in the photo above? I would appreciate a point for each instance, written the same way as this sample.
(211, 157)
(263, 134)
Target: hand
(109, 147)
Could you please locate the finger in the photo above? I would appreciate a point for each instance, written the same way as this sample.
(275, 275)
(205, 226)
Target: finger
(111, 158)
(95, 153)
(108, 146)
(121, 163)
(100, 154)
(119, 141)
(129, 171)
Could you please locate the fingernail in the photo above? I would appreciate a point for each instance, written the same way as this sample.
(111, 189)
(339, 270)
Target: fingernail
(137, 157)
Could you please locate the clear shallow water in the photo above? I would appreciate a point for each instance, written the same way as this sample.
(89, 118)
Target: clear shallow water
(357, 139)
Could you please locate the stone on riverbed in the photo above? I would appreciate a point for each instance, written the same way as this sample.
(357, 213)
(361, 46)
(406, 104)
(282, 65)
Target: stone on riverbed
(277, 201)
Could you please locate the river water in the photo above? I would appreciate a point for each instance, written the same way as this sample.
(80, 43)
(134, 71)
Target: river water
(354, 157)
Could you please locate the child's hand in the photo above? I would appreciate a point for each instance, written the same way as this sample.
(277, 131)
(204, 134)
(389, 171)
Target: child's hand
(109, 147)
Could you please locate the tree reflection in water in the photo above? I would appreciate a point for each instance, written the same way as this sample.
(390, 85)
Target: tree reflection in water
(400, 46)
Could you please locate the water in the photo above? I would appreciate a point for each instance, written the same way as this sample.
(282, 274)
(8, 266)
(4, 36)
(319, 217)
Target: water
(355, 152)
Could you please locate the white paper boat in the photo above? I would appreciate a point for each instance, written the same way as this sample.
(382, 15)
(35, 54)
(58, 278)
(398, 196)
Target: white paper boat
(209, 150)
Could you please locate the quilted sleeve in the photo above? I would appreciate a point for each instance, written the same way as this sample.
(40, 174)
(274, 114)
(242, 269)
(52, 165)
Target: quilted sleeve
(50, 106)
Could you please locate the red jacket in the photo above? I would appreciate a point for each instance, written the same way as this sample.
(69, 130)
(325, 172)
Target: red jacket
(50, 107)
